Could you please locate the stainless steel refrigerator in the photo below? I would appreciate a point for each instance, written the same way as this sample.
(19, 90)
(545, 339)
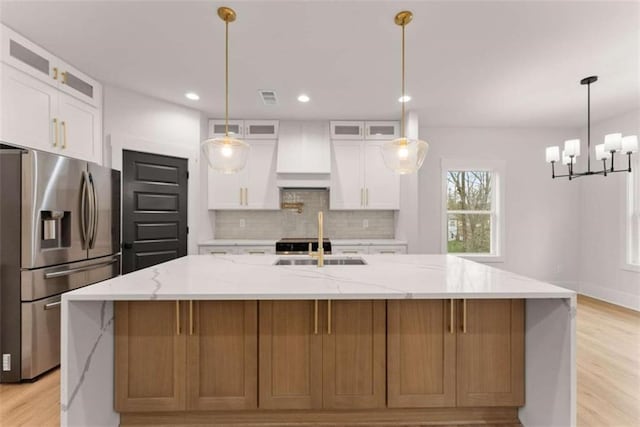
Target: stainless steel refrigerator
(59, 230)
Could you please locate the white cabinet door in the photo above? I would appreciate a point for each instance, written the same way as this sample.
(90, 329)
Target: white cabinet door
(28, 57)
(347, 130)
(382, 185)
(217, 128)
(387, 249)
(29, 108)
(77, 84)
(261, 129)
(382, 130)
(347, 189)
(349, 250)
(261, 188)
(80, 129)
(226, 191)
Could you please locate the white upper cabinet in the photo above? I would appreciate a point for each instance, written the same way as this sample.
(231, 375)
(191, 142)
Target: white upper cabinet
(252, 188)
(382, 185)
(304, 147)
(218, 128)
(384, 130)
(347, 175)
(261, 129)
(46, 103)
(347, 130)
(359, 178)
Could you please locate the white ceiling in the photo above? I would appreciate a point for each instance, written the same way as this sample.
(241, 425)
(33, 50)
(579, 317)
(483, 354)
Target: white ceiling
(471, 63)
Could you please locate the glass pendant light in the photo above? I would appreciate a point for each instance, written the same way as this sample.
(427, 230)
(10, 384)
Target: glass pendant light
(404, 155)
(226, 154)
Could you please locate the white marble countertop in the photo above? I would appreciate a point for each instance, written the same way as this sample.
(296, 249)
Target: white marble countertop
(237, 242)
(238, 277)
(365, 242)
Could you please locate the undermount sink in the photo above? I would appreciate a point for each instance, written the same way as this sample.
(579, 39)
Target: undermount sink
(314, 261)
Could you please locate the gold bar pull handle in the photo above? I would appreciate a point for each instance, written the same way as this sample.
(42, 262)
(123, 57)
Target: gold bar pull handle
(464, 316)
(366, 197)
(451, 316)
(190, 317)
(315, 317)
(329, 317)
(177, 317)
(55, 132)
(64, 77)
(64, 134)
(55, 73)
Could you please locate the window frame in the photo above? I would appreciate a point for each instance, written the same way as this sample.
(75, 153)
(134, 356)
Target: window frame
(497, 169)
(631, 212)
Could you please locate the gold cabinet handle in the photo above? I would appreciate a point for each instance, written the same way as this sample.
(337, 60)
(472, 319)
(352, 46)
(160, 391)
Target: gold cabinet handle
(177, 317)
(328, 317)
(55, 132)
(190, 317)
(55, 73)
(451, 316)
(315, 317)
(464, 316)
(64, 77)
(366, 197)
(64, 133)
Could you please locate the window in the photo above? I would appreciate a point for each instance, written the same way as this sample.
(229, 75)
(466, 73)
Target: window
(471, 200)
(633, 217)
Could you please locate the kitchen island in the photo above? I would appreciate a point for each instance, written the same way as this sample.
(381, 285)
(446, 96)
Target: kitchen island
(366, 331)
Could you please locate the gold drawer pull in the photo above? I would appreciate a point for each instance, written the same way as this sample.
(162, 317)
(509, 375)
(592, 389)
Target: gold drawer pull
(55, 132)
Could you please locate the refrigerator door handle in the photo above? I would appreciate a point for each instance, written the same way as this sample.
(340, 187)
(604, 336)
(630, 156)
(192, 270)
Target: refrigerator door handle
(83, 209)
(71, 271)
(94, 214)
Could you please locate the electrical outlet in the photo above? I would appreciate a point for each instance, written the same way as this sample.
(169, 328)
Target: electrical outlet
(365, 223)
(6, 362)
(242, 223)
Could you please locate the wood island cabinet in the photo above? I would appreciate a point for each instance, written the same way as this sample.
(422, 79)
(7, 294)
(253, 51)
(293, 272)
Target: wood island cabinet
(185, 355)
(324, 354)
(463, 353)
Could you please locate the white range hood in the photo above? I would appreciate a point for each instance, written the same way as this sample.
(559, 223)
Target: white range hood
(304, 154)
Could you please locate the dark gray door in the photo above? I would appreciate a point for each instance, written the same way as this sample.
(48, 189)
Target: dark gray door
(154, 209)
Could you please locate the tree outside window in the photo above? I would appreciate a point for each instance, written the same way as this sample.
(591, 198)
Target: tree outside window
(470, 211)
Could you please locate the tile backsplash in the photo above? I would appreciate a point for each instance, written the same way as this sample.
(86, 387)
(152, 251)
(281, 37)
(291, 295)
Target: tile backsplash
(244, 224)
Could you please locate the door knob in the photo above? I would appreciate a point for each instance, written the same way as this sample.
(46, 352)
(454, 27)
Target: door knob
(127, 246)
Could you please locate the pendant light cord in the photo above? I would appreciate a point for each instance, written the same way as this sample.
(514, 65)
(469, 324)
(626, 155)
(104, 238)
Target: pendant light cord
(226, 79)
(403, 95)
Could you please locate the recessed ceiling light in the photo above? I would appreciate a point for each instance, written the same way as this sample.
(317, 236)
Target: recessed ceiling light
(304, 98)
(192, 96)
(405, 98)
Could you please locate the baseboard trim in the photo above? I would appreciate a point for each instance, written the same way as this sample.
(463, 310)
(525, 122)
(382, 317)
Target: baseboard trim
(503, 417)
(611, 296)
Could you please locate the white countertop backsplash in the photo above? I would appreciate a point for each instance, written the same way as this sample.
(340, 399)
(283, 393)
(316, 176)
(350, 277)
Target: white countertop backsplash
(240, 277)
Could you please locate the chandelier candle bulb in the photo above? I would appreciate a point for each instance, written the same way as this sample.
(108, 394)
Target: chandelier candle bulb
(553, 154)
(630, 144)
(566, 159)
(601, 153)
(613, 142)
(572, 147)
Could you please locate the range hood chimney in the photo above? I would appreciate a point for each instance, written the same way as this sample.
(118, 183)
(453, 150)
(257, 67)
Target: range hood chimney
(304, 154)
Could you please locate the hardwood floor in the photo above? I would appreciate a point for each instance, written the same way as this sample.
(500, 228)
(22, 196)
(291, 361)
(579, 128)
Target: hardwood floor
(608, 341)
(608, 375)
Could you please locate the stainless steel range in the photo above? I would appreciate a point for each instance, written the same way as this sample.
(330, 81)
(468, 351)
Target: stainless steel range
(300, 246)
(59, 230)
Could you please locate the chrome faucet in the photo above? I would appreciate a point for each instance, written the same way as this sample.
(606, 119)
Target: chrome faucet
(319, 254)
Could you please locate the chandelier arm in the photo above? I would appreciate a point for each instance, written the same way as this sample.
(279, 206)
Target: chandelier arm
(402, 130)
(629, 158)
(604, 166)
(226, 78)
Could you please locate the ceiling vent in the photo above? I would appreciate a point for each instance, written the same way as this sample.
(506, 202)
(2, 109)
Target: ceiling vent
(268, 97)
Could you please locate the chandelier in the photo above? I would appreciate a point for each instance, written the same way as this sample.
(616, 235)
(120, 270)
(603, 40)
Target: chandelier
(613, 143)
(226, 154)
(404, 155)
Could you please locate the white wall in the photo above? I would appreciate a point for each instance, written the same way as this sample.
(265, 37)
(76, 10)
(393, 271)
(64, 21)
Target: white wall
(541, 214)
(602, 206)
(143, 123)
